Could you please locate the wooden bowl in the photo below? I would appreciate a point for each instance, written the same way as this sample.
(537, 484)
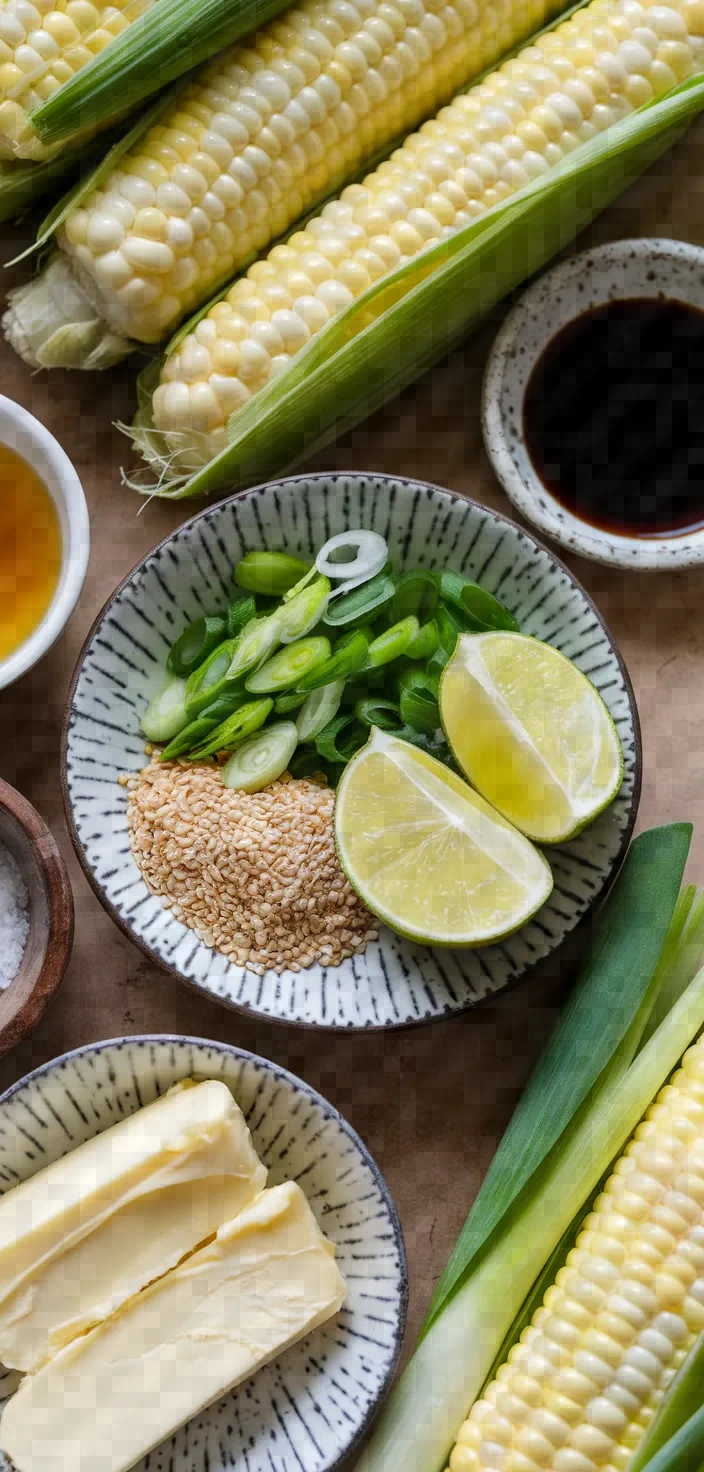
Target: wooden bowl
(50, 938)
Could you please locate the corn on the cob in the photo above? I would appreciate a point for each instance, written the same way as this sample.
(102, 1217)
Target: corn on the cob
(607, 59)
(264, 133)
(43, 43)
(579, 1389)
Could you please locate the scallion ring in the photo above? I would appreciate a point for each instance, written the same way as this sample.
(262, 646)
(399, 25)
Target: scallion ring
(365, 602)
(270, 573)
(288, 667)
(348, 656)
(427, 640)
(211, 680)
(193, 646)
(375, 711)
(392, 643)
(235, 729)
(262, 759)
(416, 592)
(341, 738)
(319, 709)
(196, 731)
(166, 714)
(367, 554)
(300, 616)
(480, 609)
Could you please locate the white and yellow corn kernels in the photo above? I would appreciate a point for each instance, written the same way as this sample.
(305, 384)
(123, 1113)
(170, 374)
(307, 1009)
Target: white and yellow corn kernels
(264, 133)
(577, 80)
(43, 43)
(579, 1388)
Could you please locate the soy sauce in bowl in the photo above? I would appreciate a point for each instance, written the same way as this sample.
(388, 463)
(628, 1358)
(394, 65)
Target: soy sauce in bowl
(613, 417)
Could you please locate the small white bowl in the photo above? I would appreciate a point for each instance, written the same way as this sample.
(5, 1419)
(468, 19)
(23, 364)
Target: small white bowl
(624, 269)
(24, 434)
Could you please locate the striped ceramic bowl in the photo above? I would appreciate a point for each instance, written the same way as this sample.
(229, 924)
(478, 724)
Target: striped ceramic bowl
(396, 982)
(309, 1407)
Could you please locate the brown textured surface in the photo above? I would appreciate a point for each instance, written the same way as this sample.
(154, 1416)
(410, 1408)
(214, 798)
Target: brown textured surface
(430, 1103)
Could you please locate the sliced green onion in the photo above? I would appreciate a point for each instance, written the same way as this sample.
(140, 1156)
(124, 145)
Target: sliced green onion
(418, 703)
(482, 609)
(348, 656)
(427, 640)
(196, 731)
(194, 645)
(211, 680)
(393, 643)
(341, 738)
(307, 763)
(270, 573)
(262, 759)
(368, 599)
(289, 701)
(416, 592)
(246, 719)
(367, 553)
(239, 614)
(300, 616)
(256, 642)
(375, 711)
(319, 709)
(290, 666)
(436, 665)
(166, 715)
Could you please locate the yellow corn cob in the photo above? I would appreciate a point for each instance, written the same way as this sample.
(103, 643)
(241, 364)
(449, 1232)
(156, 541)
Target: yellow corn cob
(266, 131)
(577, 80)
(578, 1390)
(42, 44)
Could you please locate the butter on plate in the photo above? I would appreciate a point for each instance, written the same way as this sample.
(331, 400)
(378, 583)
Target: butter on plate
(88, 1232)
(267, 1279)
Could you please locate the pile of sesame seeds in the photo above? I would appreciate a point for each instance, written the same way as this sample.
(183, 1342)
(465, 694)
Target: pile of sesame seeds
(255, 875)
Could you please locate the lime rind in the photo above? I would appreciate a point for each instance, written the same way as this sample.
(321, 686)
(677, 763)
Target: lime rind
(537, 831)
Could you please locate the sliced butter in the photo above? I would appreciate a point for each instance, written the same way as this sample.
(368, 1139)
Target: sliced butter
(84, 1235)
(106, 1400)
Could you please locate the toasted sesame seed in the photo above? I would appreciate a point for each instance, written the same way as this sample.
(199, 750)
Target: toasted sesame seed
(255, 875)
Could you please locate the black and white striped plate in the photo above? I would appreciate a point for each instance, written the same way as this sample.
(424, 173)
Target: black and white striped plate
(396, 982)
(304, 1411)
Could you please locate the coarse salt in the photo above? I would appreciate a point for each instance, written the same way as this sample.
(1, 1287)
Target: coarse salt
(14, 917)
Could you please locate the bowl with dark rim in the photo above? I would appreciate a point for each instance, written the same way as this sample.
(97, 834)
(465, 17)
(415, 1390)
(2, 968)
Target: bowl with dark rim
(310, 1406)
(50, 938)
(395, 983)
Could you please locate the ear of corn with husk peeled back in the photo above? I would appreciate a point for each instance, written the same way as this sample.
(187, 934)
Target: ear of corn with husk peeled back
(69, 68)
(561, 128)
(258, 138)
(561, 1320)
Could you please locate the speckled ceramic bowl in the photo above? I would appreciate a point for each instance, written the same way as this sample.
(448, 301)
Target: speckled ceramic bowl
(627, 268)
(395, 982)
(308, 1408)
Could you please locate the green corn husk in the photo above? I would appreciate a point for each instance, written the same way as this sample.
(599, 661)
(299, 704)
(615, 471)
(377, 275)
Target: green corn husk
(681, 1400)
(598, 1075)
(170, 38)
(414, 316)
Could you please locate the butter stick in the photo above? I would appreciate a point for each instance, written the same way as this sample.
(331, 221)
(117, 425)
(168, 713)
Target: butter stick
(81, 1237)
(106, 1400)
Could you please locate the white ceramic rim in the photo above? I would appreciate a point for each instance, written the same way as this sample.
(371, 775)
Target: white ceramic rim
(24, 434)
(527, 330)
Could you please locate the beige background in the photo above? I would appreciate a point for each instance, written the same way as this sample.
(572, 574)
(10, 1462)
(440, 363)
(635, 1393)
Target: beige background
(431, 1102)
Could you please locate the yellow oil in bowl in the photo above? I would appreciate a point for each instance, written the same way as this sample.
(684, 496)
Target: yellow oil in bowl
(30, 551)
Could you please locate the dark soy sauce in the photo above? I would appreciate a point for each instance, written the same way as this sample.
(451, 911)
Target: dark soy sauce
(613, 417)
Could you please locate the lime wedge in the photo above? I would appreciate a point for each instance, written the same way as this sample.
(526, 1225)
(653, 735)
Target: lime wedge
(531, 733)
(427, 854)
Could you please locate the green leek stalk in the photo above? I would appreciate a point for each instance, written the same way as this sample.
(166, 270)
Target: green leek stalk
(597, 1077)
(414, 316)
